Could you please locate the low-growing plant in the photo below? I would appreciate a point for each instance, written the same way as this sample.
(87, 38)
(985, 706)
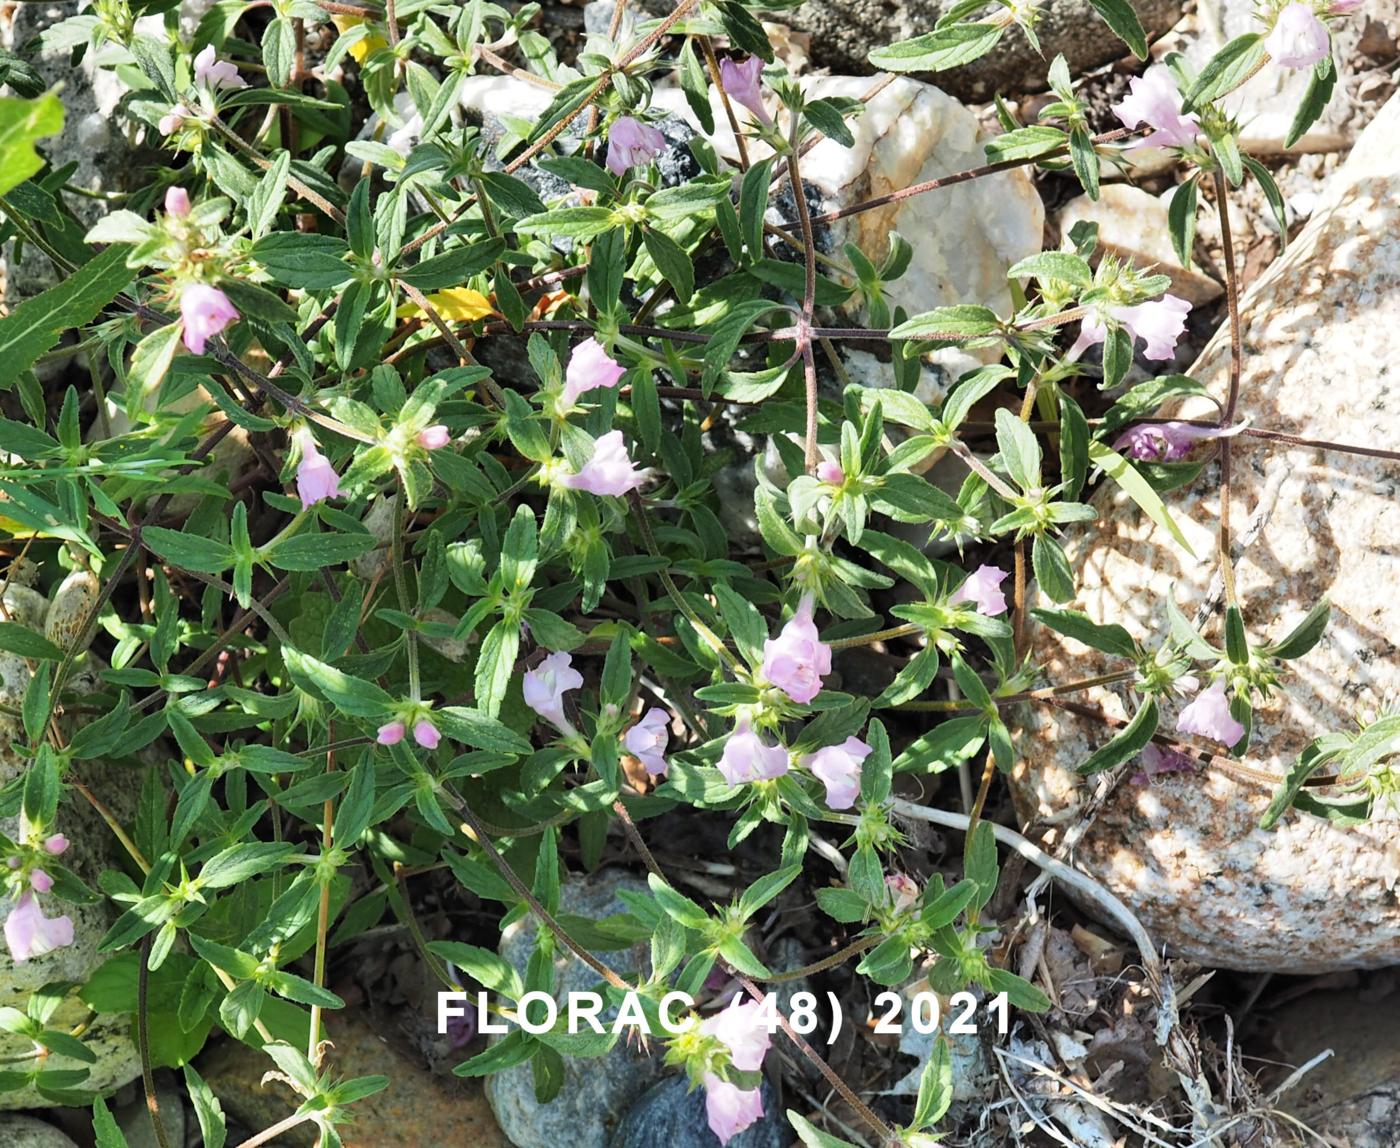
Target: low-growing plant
(432, 617)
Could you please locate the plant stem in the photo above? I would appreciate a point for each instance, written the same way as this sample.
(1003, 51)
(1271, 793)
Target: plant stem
(1222, 205)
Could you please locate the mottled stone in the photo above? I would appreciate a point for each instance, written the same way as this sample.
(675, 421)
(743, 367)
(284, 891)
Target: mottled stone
(673, 1115)
(595, 1092)
(18, 1131)
(417, 1108)
(1322, 359)
(1133, 227)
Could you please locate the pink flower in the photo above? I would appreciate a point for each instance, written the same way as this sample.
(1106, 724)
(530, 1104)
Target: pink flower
(31, 934)
(982, 589)
(1299, 38)
(747, 757)
(434, 437)
(14, 862)
(590, 367)
(632, 143)
(609, 472)
(904, 890)
(316, 478)
(55, 844)
(1153, 99)
(838, 768)
(391, 733)
(743, 1030)
(646, 741)
(1156, 761)
(171, 122)
(206, 311)
(1167, 442)
(730, 1109)
(1209, 716)
(831, 473)
(41, 881)
(1158, 322)
(215, 73)
(744, 84)
(426, 734)
(546, 685)
(796, 659)
(177, 202)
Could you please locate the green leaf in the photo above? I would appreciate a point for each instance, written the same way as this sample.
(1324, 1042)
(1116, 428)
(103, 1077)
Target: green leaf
(1059, 265)
(812, 1136)
(1020, 452)
(1306, 634)
(1236, 642)
(1025, 143)
(1315, 100)
(1129, 742)
(1111, 638)
(826, 117)
(309, 551)
(1119, 15)
(21, 640)
(937, 50)
(726, 335)
(982, 867)
(310, 262)
(957, 322)
(672, 262)
(1181, 220)
(1226, 70)
(581, 223)
(454, 267)
(1314, 756)
(37, 324)
(935, 1086)
(188, 551)
(22, 122)
(1138, 489)
(207, 1109)
(1052, 571)
(349, 694)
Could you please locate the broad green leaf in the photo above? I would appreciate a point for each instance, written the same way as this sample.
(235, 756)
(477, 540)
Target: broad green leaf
(36, 325)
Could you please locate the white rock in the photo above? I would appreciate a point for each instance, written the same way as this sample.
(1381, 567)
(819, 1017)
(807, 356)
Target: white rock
(1133, 226)
(964, 236)
(1322, 336)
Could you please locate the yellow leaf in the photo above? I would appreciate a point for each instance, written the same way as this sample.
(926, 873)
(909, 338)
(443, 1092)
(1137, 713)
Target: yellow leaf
(360, 49)
(456, 304)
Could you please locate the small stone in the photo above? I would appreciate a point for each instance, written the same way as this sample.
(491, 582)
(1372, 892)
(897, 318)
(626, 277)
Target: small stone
(1321, 331)
(670, 1114)
(69, 608)
(416, 1109)
(134, 1119)
(18, 1131)
(1133, 226)
(1352, 1097)
(595, 1092)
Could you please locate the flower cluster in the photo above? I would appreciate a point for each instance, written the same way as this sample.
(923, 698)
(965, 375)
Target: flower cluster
(28, 932)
